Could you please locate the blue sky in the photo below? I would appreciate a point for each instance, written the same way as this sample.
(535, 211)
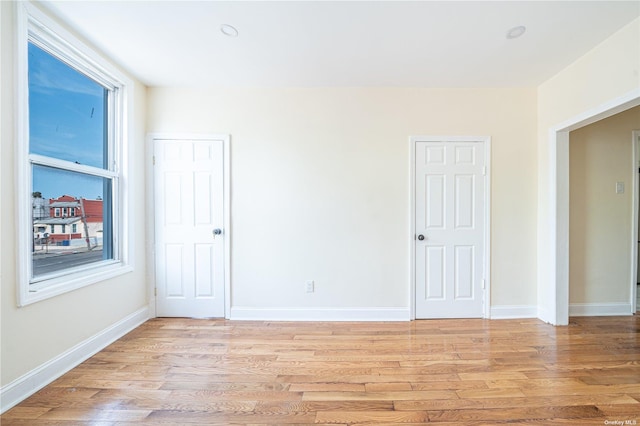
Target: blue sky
(66, 121)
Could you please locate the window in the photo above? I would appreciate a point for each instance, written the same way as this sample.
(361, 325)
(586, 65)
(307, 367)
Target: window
(74, 228)
(71, 113)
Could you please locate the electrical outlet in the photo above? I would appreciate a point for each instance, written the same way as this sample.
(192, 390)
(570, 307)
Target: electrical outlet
(619, 187)
(310, 286)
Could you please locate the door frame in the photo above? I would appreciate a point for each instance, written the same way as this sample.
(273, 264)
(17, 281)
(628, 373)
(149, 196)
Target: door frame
(150, 207)
(635, 199)
(486, 140)
(553, 221)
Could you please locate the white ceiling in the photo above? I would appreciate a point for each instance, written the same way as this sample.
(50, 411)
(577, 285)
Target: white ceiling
(327, 43)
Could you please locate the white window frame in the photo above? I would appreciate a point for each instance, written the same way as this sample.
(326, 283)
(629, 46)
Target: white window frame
(32, 24)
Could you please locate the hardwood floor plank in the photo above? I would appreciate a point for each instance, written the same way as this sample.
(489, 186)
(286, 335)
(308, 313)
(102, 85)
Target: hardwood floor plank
(493, 375)
(578, 412)
(187, 417)
(453, 385)
(331, 378)
(585, 390)
(236, 395)
(490, 393)
(318, 406)
(378, 396)
(392, 386)
(108, 384)
(342, 387)
(627, 411)
(24, 413)
(76, 414)
(610, 380)
(499, 403)
(203, 404)
(372, 417)
(225, 386)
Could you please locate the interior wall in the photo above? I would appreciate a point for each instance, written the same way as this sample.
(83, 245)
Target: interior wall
(600, 219)
(609, 71)
(37, 333)
(320, 186)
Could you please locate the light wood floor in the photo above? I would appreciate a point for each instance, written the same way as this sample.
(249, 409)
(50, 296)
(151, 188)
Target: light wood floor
(450, 372)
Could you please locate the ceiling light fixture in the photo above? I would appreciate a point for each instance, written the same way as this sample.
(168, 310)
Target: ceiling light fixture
(516, 32)
(228, 30)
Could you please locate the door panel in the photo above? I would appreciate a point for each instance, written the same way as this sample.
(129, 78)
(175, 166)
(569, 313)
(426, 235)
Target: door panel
(189, 206)
(449, 200)
(435, 270)
(435, 211)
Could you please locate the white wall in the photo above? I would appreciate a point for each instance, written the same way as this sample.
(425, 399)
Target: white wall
(36, 334)
(320, 186)
(600, 219)
(608, 72)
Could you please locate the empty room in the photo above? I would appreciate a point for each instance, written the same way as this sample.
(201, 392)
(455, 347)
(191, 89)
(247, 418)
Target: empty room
(321, 212)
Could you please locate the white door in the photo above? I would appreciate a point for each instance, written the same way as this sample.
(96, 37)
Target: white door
(189, 212)
(449, 226)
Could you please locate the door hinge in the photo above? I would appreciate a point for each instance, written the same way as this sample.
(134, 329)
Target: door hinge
(155, 291)
(484, 284)
(484, 170)
(154, 160)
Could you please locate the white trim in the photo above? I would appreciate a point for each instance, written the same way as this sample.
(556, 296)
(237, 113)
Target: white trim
(73, 281)
(486, 141)
(226, 140)
(514, 311)
(606, 110)
(227, 225)
(150, 243)
(487, 227)
(23, 177)
(599, 309)
(635, 199)
(319, 314)
(553, 286)
(68, 43)
(29, 383)
(41, 160)
(412, 228)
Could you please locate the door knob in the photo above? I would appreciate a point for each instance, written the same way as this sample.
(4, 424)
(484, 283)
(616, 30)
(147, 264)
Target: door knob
(217, 231)
(421, 237)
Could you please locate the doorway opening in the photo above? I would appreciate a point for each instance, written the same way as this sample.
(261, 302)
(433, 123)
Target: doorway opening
(553, 281)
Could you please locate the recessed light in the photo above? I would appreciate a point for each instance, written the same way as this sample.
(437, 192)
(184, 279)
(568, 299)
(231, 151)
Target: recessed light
(516, 32)
(228, 30)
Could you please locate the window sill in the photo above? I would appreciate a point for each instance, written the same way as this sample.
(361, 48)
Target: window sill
(63, 284)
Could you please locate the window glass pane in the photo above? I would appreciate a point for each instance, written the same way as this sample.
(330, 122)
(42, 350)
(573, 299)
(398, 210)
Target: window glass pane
(67, 113)
(89, 238)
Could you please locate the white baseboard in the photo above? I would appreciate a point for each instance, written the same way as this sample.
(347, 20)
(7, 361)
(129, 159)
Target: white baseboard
(599, 309)
(320, 314)
(514, 311)
(36, 379)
